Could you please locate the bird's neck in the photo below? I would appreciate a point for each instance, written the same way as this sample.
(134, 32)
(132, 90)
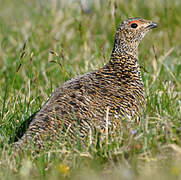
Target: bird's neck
(122, 59)
(125, 64)
(125, 46)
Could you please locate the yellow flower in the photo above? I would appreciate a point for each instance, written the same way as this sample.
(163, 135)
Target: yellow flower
(175, 171)
(63, 169)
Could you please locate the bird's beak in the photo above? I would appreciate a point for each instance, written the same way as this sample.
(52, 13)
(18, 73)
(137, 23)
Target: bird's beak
(152, 25)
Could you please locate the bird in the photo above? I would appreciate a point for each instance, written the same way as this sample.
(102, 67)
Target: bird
(97, 99)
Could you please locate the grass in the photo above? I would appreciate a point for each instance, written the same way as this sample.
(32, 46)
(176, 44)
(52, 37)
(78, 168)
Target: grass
(45, 43)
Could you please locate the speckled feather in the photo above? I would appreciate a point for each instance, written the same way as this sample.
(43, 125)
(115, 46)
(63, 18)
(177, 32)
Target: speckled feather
(82, 103)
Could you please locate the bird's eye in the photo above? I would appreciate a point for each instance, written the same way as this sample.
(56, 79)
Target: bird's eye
(134, 25)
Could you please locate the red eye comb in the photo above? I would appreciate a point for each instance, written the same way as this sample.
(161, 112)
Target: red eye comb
(135, 21)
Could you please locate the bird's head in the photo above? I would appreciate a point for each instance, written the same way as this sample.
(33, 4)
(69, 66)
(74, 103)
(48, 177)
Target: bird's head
(130, 33)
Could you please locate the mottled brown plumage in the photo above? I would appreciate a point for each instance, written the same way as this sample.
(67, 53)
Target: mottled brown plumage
(82, 103)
